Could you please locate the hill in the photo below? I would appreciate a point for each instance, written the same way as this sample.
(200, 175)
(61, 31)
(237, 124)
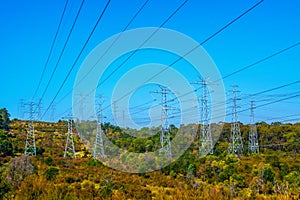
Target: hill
(274, 173)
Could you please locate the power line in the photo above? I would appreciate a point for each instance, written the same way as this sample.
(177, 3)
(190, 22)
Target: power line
(230, 23)
(39, 108)
(278, 144)
(276, 88)
(136, 50)
(269, 103)
(224, 103)
(293, 119)
(206, 40)
(262, 60)
(52, 115)
(265, 104)
(77, 58)
(111, 45)
(187, 53)
(115, 40)
(254, 64)
(81, 113)
(293, 95)
(245, 98)
(168, 19)
(63, 49)
(51, 50)
(283, 117)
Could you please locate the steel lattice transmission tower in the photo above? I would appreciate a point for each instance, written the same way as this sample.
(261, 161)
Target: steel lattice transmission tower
(52, 115)
(30, 148)
(253, 137)
(236, 143)
(115, 107)
(205, 135)
(69, 148)
(165, 141)
(21, 109)
(98, 145)
(39, 109)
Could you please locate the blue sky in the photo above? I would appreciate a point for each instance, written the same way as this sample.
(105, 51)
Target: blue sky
(28, 28)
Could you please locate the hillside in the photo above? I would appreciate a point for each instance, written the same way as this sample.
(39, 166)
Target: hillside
(274, 173)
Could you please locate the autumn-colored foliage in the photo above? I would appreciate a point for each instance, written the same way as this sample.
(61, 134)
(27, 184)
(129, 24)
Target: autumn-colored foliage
(272, 174)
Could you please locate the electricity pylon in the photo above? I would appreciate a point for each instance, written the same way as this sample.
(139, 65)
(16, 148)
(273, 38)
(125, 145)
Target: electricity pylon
(69, 148)
(98, 145)
(236, 143)
(30, 148)
(52, 115)
(165, 141)
(81, 107)
(115, 117)
(253, 137)
(205, 137)
(21, 109)
(39, 109)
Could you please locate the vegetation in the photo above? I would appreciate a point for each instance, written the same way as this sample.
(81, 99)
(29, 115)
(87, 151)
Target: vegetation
(4, 119)
(272, 174)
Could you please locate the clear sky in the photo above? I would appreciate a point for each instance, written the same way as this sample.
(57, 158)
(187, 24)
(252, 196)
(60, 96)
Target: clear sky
(28, 28)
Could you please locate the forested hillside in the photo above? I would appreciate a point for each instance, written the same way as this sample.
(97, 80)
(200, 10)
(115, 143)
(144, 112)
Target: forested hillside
(273, 173)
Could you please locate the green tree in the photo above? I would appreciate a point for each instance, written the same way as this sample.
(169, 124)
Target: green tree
(4, 119)
(6, 148)
(139, 144)
(293, 140)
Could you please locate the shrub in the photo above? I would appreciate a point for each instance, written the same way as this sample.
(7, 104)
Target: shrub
(4, 187)
(18, 169)
(51, 173)
(49, 161)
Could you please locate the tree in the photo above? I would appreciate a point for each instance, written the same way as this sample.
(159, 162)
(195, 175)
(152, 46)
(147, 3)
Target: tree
(293, 141)
(139, 144)
(4, 119)
(6, 148)
(18, 169)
